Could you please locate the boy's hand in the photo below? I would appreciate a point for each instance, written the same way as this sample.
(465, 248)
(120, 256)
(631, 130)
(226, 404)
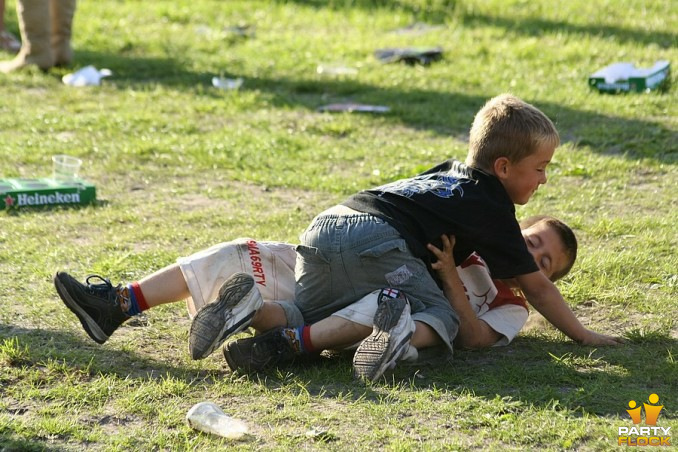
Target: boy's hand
(593, 338)
(445, 262)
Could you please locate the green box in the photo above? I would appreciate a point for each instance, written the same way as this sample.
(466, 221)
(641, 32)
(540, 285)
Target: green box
(17, 193)
(625, 77)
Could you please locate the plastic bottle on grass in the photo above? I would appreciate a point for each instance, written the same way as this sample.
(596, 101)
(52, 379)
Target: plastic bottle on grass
(208, 417)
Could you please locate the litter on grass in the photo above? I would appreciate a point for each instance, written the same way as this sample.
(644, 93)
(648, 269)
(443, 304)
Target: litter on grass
(329, 69)
(625, 77)
(227, 83)
(351, 107)
(209, 418)
(87, 76)
(409, 55)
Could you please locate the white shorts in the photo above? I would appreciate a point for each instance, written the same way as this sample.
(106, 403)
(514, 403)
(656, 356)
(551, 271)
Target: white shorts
(271, 264)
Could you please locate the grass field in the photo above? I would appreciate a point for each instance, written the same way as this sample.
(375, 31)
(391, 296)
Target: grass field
(180, 165)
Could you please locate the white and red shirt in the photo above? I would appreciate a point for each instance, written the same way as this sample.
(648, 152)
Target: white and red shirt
(493, 301)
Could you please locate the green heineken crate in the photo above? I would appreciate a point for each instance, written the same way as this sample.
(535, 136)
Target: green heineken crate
(15, 193)
(625, 77)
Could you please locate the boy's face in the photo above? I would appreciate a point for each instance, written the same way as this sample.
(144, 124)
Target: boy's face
(521, 179)
(545, 245)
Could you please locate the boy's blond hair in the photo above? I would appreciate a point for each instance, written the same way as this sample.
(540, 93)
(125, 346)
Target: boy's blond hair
(508, 127)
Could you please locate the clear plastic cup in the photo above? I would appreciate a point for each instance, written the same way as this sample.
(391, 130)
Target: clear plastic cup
(65, 167)
(208, 417)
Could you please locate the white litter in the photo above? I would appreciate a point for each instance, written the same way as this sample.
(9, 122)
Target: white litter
(227, 83)
(87, 76)
(209, 418)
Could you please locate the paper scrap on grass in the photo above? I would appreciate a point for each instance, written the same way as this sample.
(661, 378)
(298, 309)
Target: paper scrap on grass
(332, 69)
(227, 84)
(87, 76)
(351, 107)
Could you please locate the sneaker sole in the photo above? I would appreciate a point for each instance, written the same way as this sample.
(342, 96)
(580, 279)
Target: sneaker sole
(210, 326)
(372, 357)
(88, 323)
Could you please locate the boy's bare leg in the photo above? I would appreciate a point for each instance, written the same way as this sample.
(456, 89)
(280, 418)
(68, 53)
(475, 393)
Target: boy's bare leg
(424, 336)
(269, 316)
(166, 285)
(102, 307)
(336, 333)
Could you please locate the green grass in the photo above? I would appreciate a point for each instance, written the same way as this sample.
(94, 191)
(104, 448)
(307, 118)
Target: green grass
(180, 166)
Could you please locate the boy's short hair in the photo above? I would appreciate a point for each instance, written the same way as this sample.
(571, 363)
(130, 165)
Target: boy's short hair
(566, 235)
(508, 127)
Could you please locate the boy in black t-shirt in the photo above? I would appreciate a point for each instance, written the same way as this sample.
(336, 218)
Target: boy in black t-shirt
(378, 237)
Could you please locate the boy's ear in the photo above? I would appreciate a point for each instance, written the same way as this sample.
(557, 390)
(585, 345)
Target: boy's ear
(501, 167)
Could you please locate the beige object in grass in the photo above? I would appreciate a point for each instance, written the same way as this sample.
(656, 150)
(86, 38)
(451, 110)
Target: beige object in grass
(209, 418)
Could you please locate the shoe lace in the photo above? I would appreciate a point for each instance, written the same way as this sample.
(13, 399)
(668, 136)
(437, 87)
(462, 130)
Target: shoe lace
(103, 289)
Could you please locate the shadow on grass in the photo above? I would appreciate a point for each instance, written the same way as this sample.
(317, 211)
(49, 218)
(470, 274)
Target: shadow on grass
(9, 443)
(531, 26)
(451, 113)
(87, 356)
(532, 371)
(441, 112)
(536, 371)
(538, 26)
(435, 11)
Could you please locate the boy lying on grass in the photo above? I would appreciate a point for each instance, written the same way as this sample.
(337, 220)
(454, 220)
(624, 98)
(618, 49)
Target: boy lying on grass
(492, 312)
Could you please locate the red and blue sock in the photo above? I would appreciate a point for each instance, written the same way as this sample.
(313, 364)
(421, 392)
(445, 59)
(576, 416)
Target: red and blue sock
(300, 339)
(132, 299)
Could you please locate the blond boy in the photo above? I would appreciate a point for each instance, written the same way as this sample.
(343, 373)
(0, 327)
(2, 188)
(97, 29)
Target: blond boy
(380, 237)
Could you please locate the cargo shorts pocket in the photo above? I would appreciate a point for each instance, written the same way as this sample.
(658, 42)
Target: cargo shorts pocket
(383, 248)
(309, 257)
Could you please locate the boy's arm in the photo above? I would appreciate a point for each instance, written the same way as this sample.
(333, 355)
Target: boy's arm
(473, 332)
(546, 298)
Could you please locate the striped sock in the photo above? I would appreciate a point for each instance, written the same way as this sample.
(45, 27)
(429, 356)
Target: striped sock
(300, 339)
(306, 344)
(136, 303)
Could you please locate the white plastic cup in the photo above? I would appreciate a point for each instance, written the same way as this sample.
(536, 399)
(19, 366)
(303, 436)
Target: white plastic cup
(208, 417)
(65, 167)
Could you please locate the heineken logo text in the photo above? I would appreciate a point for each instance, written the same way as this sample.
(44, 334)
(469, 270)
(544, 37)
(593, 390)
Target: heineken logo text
(24, 199)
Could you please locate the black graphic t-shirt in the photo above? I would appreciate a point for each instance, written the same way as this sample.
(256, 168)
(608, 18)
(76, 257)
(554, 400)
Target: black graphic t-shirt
(453, 198)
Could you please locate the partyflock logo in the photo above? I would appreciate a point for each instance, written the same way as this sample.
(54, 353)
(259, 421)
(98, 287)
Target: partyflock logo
(651, 434)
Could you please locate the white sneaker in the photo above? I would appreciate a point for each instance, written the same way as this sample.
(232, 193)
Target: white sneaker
(229, 314)
(390, 338)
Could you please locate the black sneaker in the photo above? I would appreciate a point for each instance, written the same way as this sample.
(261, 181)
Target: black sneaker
(270, 349)
(96, 305)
